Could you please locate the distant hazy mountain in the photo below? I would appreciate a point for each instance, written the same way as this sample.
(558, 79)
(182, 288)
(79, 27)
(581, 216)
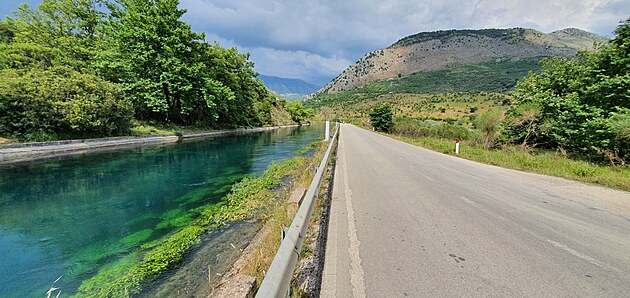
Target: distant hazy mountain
(284, 86)
(436, 51)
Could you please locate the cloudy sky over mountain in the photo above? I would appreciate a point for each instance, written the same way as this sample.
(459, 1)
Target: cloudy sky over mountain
(315, 40)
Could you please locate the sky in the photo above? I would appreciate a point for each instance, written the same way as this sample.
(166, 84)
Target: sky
(315, 40)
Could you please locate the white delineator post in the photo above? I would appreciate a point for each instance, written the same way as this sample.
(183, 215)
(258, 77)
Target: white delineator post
(327, 131)
(457, 146)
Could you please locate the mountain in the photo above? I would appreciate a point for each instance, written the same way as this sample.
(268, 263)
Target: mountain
(288, 86)
(435, 51)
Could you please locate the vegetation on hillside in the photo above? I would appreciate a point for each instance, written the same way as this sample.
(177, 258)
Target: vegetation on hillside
(570, 118)
(485, 77)
(86, 68)
(506, 34)
(458, 108)
(496, 77)
(298, 112)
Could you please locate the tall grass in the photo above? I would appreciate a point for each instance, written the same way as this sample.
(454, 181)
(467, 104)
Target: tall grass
(257, 263)
(545, 162)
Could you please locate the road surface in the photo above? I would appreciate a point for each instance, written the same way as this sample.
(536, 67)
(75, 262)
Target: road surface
(408, 222)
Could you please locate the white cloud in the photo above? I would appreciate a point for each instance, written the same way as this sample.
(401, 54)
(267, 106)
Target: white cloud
(297, 64)
(597, 16)
(331, 34)
(319, 38)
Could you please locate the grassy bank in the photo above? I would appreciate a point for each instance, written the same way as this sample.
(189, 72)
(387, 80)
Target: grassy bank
(535, 161)
(129, 274)
(265, 250)
(258, 262)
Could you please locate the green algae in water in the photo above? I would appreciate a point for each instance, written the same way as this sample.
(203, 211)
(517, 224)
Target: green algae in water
(107, 274)
(177, 222)
(92, 202)
(245, 197)
(85, 260)
(136, 238)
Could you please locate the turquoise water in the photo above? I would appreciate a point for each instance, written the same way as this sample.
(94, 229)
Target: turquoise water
(72, 216)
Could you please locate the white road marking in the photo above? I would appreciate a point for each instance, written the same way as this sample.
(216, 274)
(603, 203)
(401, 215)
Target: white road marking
(581, 255)
(424, 176)
(470, 202)
(574, 252)
(356, 271)
(467, 200)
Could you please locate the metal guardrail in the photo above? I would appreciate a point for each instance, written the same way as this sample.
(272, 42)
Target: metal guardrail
(278, 279)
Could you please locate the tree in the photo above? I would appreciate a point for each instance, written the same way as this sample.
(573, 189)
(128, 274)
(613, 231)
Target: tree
(143, 50)
(155, 58)
(70, 27)
(42, 105)
(298, 112)
(577, 104)
(171, 74)
(381, 117)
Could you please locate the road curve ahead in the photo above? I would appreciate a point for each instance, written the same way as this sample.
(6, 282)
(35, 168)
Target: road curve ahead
(409, 222)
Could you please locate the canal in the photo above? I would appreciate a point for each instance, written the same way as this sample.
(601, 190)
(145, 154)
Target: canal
(71, 217)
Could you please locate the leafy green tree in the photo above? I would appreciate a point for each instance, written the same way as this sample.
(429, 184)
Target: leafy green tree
(41, 105)
(70, 27)
(577, 104)
(6, 32)
(142, 49)
(171, 74)
(251, 102)
(155, 57)
(298, 112)
(381, 117)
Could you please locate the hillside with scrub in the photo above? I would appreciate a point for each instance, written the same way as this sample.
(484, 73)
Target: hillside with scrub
(567, 117)
(86, 69)
(438, 50)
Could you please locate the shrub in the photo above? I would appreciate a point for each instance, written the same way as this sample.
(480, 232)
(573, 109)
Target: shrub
(381, 117)
(578, 104)
(489, 126)
(40, 105)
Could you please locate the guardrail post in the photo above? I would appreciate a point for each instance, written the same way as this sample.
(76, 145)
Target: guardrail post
(327, 131)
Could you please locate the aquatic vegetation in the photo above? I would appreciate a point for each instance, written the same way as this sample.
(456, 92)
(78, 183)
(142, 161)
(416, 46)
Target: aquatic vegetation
(136, 238)
(86, 259)
(127, 276)
(177, 222)
(107, 273)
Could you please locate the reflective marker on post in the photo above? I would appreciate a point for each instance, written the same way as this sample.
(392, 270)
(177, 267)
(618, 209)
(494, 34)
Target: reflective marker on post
(457, 146)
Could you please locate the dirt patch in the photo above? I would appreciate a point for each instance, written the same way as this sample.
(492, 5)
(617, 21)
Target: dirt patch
(6, 141)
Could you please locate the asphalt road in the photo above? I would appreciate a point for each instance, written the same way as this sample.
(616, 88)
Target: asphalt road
(409, 222)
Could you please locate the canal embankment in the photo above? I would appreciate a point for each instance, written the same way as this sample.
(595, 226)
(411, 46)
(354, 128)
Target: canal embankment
(12, 153)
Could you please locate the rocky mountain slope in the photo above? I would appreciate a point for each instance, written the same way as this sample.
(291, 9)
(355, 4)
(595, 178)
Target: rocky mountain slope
(428, 51)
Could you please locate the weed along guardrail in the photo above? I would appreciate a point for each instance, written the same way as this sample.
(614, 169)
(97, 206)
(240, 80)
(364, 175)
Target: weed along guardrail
(278, 278)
